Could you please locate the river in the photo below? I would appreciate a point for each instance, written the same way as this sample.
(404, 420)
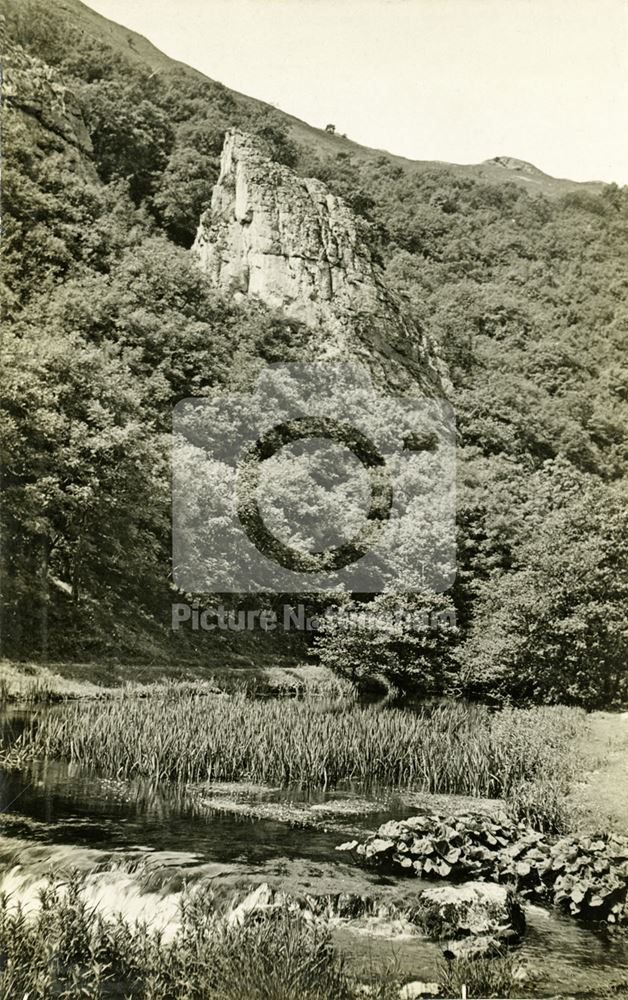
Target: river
(140, 845)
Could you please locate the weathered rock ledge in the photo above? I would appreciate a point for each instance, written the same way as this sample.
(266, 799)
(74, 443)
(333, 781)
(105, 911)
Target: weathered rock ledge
(291, 243)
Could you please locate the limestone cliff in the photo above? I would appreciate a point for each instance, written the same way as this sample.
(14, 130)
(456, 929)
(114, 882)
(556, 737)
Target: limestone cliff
(287, 240)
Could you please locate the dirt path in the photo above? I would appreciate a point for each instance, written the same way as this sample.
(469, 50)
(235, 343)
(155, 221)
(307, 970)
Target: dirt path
(601, 797)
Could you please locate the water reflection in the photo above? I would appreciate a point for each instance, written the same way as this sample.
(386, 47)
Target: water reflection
(162, 835)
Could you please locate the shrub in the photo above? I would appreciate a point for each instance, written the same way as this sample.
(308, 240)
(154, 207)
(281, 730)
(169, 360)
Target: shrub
(434, 846)
(400, 642)
(483, 977)
(586, 877)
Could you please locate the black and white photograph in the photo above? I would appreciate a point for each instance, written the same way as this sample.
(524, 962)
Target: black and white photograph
(314, 500)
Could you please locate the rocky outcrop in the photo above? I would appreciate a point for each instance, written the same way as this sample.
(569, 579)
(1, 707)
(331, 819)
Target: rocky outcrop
(471, 919)
(288, 241)
(478, 918)
(34, 89)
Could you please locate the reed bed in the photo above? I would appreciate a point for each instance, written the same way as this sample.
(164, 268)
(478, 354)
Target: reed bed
(65, 950)
(182, 736)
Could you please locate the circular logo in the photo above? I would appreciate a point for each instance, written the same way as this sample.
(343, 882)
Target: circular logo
(248, 478)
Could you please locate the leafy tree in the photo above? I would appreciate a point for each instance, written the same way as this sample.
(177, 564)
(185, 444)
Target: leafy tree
(184, 192)
(131, 135)
(272, 129)
(84, 501)
(553, 629)
(109, 161)
(403, 643)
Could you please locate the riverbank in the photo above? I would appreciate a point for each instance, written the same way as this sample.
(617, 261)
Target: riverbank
(599, 798)
(32, 682)
(146, 788)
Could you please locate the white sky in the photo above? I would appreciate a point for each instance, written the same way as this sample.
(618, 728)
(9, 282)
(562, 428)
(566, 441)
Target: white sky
(458, 80)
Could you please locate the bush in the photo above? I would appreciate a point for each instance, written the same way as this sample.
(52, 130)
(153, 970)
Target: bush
(553, 630)
(483, 977)
(403, 643)
(586, 877)
(131, 135)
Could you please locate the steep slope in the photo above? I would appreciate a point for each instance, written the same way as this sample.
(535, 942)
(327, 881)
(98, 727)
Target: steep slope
(74, 16)
(48, 104)
(111, 153)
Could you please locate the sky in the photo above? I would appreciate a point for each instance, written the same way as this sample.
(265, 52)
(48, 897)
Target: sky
(456, 80)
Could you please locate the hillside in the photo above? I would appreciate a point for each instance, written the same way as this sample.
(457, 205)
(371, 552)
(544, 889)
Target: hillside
(111, 153)
(138, 51)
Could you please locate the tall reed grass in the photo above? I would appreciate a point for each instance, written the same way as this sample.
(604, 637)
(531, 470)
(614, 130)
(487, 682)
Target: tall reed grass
(180, 735)
(66, 951)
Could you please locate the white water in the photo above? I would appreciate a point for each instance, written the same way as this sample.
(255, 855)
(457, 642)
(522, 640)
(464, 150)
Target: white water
(138, 849)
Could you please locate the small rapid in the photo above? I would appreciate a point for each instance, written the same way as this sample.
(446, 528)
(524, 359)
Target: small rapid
(139, 847)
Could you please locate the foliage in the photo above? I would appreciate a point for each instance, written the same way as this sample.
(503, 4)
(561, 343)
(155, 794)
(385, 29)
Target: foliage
(83, 472)
(553, 630)
(269, 126)
(483, 977)
(528, 314)
(464, 918)
(66, 949)
(131, 136)
(542, 803)
(586, 877)
(84, 435)
(182, 735)
(402, 642)
(460, 847)
(110, 154)
(185, 192)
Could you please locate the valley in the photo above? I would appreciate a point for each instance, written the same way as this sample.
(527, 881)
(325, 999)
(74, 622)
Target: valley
(424, 795)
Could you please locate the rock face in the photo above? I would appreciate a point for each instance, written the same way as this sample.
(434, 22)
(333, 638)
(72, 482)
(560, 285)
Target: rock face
(34, 89)
(288, 241)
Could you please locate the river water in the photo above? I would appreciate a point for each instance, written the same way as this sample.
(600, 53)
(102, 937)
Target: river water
(141, 844)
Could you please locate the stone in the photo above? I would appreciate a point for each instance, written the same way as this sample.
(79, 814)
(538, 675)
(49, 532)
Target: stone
(418, 989)
(261, 899)
(468, 892)
(286, 240)
(476, 911)
(484, 946)
(35, 89)
(349, 845)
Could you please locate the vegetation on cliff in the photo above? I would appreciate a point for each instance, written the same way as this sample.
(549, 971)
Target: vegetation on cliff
(111, 152)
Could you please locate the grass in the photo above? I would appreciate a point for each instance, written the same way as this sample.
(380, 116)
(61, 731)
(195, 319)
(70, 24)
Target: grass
(543, 802)
(483, 977)
(66, 951)
(181, 734)
(32, 683)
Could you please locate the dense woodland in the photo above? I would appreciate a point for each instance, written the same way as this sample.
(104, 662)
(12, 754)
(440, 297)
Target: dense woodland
(108, 165)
